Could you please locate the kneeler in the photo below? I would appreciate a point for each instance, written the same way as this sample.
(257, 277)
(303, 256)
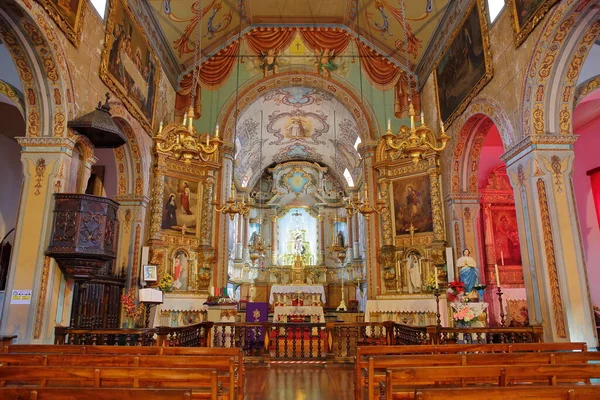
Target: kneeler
(256, 312)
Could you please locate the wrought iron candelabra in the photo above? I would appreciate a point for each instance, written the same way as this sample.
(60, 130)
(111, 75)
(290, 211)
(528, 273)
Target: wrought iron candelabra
(502, 321)
(436, 293)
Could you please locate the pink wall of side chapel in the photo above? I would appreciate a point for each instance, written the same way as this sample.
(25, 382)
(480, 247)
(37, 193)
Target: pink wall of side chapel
(491, 150)
(587, 124)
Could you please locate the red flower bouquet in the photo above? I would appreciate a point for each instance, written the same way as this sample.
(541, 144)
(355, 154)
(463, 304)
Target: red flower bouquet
(455, 290)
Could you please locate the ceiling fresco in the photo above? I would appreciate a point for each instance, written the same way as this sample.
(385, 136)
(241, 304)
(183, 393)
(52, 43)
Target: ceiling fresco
(377, 22)
(295, 123)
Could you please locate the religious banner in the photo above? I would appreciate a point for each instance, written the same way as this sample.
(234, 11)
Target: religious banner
(525, 15)
(129, 66)
(412, 205)
(68, 15)
(256, 312)
(465, 66)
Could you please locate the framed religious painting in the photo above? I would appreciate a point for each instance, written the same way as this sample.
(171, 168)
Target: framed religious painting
(129, 66)
(68, 15)
(525, 15)
(150, 273)
(180, 206)
(505, 233)
(412, 205)
(465, 65)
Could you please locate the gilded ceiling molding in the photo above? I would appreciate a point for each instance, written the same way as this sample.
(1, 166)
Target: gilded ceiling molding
(472, 127)
(41, 63)
(585, 88)
(548, 98)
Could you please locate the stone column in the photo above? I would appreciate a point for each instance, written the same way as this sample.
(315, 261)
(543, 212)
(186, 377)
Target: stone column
(274, 236)
(246, 238)
(356, 237)
(350, 239)
(46, 163)
(321, 260)
(132, 218)
(238, 244)
(540, 170)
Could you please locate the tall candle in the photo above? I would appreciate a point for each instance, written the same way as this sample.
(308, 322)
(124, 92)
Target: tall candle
(450, 263)
(389, 124)
(437, 286)
(502, 257)
(497, 275)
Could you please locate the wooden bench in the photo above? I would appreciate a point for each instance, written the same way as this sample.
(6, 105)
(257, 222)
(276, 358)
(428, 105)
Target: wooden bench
(562, 392)
(219, 357)
(402, 382)
(76, 393)
(202, 382)
(378, 365)
(365, 352)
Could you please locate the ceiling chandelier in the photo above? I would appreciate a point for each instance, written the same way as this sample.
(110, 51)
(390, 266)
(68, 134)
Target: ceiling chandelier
(232, 206)
(182, 141)
(416, 142)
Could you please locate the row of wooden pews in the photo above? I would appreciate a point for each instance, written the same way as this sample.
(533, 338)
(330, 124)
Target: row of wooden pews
(123, 372)
(477, 371)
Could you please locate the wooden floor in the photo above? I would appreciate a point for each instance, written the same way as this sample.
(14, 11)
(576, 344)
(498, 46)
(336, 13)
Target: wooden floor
(299, 382)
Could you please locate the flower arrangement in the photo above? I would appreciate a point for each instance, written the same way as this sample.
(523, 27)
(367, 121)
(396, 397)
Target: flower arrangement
(464, 314)
(166, 283)
(456, 290)
(430, 282)
(215, 300)
(133, 311)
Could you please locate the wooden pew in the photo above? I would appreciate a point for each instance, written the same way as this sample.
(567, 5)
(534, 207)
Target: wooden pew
(77, 393)
(225, 366)
(378, 365)
(364, 352)
(202, 382)
(403, 381)
(562, 392)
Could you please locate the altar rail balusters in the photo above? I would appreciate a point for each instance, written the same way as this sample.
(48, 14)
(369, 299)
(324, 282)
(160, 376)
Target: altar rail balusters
(185, 336)
(100, 336)
(526, 334)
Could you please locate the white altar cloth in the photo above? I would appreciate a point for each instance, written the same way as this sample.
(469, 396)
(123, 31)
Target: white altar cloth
(425, 304)
(294, 289)
(298, 310)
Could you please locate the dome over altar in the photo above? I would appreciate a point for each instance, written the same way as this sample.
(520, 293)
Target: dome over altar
(296, 123)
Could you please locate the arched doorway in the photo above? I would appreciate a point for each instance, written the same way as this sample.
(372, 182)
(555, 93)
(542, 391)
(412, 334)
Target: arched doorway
(484, 218)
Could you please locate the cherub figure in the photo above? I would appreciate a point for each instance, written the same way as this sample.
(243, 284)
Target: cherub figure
(325, 63)
(269, 61)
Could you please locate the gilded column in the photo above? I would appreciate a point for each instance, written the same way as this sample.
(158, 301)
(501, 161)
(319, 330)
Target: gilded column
(156, 209)
(436, 202)
(274, 236)
(206, 218)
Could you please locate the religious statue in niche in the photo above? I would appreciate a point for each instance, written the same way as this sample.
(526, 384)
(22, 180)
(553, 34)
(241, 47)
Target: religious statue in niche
(413, 270)
(325, 62)
(412, 205)
(269, 61)
(469, 275)
(180, 205)
(180, 270)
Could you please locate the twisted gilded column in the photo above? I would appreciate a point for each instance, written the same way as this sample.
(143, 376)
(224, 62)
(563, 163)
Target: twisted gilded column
(436, 202)
(206, 218)
(158, 190)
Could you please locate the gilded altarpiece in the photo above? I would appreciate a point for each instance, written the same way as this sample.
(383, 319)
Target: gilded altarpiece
(181, 242)
(412, 225)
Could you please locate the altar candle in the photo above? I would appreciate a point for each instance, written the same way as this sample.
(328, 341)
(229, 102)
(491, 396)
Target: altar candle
(207, 139)
(497, 275)
(502, 257)
(389, 124)
(437, 286)
(217, 131)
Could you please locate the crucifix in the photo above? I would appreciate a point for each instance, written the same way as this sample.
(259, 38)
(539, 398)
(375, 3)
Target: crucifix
(411, 230)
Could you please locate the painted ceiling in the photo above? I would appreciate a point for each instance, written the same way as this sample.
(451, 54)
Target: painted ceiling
(377, 22)
(296, 123)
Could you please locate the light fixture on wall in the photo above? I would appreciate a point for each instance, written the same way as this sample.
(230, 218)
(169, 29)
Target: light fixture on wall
(413, 143)
(232, 206)
(182, 141)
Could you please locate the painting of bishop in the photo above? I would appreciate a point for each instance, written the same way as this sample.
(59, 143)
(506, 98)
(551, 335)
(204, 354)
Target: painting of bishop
(180, 205)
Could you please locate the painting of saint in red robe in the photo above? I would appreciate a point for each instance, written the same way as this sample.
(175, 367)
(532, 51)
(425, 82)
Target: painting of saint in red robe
(180, 205)
(506, 237)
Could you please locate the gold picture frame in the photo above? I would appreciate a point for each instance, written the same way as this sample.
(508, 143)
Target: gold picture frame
(129, 66)
(443, 73)
(69, 19)
(524, 20)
